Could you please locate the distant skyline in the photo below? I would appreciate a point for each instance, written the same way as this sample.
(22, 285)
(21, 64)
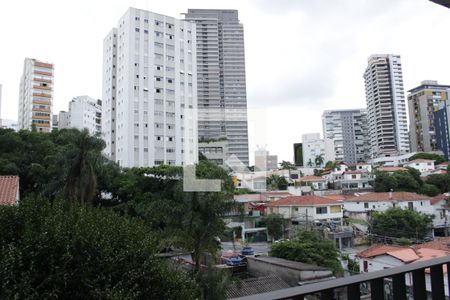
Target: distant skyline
(302, 57)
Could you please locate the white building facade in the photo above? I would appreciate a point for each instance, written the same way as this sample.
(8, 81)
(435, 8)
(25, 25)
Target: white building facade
(386, 106)
(36, 96)
(84, 112)
(150, 91)
(314, 146)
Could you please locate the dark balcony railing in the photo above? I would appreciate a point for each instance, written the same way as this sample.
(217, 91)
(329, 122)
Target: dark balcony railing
(376, 281)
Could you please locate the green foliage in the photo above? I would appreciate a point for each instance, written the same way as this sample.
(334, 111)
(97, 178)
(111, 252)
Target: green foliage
(441, 181)
(352, 264)
(404, 242)
(274, 224)
(318, 160)
(317, 172)
(49, 251)
(422, 155)
(276, 182)
(63, 161)
(406, 181)
(401, 223)
(311, 248)
(331, 165)
(287, 165)
(213, 283)
(429, 190)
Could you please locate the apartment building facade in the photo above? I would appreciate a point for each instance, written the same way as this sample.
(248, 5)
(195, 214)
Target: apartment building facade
(386, 107)
(349, 130)
(36, 95)
(423, 101)
(222, 96)
(84, 112)
(150, 91)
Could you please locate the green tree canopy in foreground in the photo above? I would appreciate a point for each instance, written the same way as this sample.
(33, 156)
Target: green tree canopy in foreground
(47, 251)
(309, 247)
(401, 223)
(275, 225)
(422, 155)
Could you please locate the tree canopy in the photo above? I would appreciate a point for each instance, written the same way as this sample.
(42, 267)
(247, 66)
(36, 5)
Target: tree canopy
(309, 247)
(274, 224)
(423, 155)
(50, 251)
(401, 223)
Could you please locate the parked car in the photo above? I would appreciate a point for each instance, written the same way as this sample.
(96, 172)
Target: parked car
(248, 251)
(233, 259)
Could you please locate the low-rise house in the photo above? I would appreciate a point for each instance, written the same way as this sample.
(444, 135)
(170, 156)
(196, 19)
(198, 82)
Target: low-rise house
(317, 183)
(307, 209)
(442, 166)
(361, 166)
(422, 165)
(380, 257)
(362, 205)
(9, 190)
(353, 180)
(441, 211)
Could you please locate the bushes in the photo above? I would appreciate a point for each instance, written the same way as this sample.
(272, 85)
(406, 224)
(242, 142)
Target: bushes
(311, 248)
(49, 251)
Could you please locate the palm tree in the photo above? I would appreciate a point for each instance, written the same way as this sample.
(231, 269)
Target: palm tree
(287, 165)
(82, 159)
(319, 160)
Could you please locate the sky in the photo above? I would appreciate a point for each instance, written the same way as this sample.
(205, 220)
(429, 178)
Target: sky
(302, 56)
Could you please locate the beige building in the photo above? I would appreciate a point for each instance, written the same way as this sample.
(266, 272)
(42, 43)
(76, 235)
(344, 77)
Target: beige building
(423, 101)
(36, 95)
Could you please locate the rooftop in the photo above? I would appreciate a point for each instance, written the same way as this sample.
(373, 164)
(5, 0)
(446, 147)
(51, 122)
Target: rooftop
(389, 196)
(9, 187)
(418, 161)
(303, 200)
(391, 169)
(288, 263)
(378, 250)
(251, 286)
(312, 178)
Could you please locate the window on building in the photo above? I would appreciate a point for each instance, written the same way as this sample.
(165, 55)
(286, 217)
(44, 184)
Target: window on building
(366, 205)
(321, 210)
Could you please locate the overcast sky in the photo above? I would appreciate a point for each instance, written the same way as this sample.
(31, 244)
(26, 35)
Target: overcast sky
(302, 56)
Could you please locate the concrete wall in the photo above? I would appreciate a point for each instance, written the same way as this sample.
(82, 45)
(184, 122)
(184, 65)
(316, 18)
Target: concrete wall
(291, 275)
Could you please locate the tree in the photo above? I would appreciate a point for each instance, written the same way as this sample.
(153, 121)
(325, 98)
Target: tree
(331, 165)
(401, 223)
(83, 156)
(309, 247)
(310, 163)
(429, 190)
(275, 225)
(422, 155)
(287, 165)
(48, 251)
(276, 182)
(441, 181)
(318, 160)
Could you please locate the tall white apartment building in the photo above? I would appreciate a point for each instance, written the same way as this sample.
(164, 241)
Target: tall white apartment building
(386, 105)
(313, 147)
(36, 95)
(349, 130)
(222, 96)
(150, 90)
(84, 112)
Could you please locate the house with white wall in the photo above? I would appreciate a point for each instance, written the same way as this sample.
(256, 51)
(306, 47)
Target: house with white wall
(307, 208)
(317, 183)
(353, 180)
(422, 165)
(441, 214)
(361, 205)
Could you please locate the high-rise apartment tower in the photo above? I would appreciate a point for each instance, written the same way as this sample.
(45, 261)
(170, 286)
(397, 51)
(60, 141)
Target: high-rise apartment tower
(386, 107)
(150, 90)
(222, 96)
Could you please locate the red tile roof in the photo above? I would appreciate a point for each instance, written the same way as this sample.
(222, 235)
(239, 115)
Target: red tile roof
(354, 172)
(405, 255)
(392, 169)
(302, 200)
(397, 196)
(438, 198)
(312, 178)
(335, 197)
(9, 186)
(420, 161)
(377, 250)
(438, 244)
